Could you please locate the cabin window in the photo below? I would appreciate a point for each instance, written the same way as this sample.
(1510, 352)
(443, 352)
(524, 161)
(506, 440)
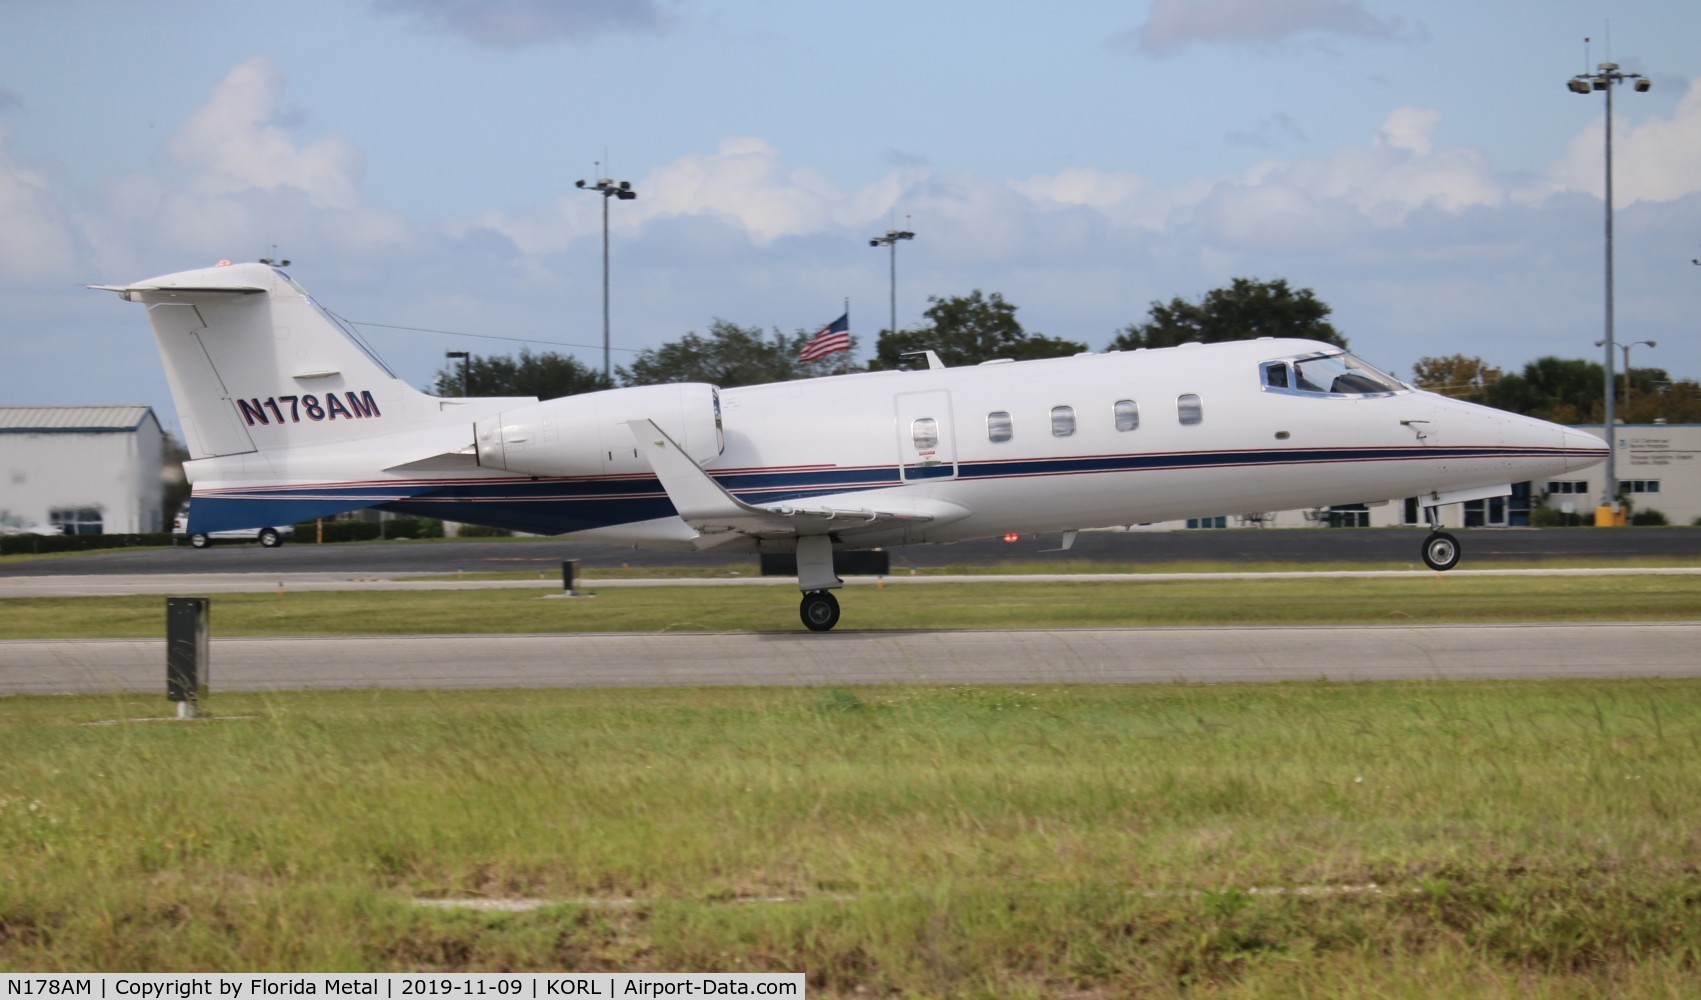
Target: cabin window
(1127, 414)
(998, 426)
(925, 431)
(1062, 421)
(1190, 409)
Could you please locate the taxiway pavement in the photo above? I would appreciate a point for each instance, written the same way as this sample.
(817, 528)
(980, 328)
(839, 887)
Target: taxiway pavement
(1040, 656)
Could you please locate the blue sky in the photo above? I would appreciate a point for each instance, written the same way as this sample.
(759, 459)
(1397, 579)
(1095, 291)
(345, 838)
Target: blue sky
(1421, 168)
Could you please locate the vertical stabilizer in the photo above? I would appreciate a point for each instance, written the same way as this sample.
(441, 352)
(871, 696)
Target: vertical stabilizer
(256, 365)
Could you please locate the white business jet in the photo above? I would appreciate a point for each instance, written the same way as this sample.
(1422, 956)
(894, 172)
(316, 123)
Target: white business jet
(288, 417)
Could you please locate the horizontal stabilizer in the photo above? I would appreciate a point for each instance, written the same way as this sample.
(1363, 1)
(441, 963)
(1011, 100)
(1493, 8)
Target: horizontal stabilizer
(127, 292)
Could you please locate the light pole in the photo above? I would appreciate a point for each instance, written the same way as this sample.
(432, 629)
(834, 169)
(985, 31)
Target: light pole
(1626, 349)
(608, 189)
(1605, 77)
(891, 240)
(466, 375)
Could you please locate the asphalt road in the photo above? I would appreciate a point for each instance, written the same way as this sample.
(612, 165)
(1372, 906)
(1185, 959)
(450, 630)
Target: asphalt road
(1054, 656)
(1482, 549)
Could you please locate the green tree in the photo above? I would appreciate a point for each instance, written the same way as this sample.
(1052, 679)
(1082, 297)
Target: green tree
(546, 376)
(732, 355)
(1455, 375)
(969, 329)
(176, 492)
(1655, 396)
(1563, 390)
(1246, 310)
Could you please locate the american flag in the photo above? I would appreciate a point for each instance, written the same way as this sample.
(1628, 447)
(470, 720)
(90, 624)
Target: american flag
(830, 339)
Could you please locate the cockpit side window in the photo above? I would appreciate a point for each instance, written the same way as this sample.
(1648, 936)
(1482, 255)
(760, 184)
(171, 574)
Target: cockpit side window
(1328, 374)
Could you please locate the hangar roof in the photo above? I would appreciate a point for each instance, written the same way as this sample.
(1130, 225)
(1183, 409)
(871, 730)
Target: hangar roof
(74, 419)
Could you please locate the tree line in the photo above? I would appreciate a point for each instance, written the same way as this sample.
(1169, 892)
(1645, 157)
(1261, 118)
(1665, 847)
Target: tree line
(969, 329)
(1564, 390)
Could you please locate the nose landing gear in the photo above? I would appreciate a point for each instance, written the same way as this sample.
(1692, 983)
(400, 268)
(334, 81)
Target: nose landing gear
(1440, 551)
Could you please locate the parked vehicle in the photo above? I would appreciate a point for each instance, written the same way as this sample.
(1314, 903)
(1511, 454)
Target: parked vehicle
(271, 537)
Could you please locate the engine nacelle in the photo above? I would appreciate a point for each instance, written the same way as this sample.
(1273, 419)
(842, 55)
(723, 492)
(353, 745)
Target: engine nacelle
(587, 435)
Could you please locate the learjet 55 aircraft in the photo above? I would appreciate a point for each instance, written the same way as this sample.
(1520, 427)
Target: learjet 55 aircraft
(289, 417)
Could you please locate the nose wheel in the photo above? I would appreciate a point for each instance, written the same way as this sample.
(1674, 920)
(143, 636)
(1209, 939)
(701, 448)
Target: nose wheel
(1440, 551)
(819, 610)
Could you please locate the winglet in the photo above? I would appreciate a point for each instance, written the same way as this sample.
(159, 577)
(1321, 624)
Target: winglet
(700, 501)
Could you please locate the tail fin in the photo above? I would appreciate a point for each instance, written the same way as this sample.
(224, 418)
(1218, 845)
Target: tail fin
(256, 365)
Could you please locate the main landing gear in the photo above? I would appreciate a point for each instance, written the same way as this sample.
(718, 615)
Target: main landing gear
(819, 610)
(1440, 550)
(815, 577)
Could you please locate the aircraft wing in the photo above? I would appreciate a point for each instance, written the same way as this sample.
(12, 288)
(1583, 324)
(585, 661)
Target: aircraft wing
(719, 516)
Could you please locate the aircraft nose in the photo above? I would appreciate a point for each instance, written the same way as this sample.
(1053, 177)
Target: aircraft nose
(1582, 449)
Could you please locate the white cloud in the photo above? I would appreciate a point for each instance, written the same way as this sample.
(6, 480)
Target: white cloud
(1657, 160)
(1174, 25)
(1398, 173)
(1409, 129)
(35, 237)
(743, 182)
(1123, 199)
(245, 185)
(234, 144)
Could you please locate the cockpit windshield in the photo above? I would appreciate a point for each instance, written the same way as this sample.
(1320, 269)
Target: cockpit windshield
(1332, 374)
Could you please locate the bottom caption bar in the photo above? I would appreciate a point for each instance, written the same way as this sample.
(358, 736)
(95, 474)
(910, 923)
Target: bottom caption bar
(254, 986)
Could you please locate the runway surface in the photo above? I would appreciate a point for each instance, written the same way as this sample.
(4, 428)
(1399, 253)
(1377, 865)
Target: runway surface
(1483, 547)
(1050, 656)
(192, 584)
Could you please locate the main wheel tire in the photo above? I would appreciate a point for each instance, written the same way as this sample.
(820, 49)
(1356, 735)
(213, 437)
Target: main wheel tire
(199, 541)
(819, 611)
(270, 538)
(1441, 551)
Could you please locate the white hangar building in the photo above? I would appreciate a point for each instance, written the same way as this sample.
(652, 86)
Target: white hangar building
(85, 470)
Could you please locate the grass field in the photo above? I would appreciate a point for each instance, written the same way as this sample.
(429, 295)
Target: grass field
(1402, 840)
(1415, 599)
(1419, 839)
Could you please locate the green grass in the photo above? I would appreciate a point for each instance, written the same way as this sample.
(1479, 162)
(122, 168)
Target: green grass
(1523, 839)
(1419, 598)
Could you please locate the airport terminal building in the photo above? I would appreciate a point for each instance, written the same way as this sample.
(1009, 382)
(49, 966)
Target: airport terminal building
(81, 470)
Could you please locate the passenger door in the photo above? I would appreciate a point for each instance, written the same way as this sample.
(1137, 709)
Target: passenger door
(927, 444)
